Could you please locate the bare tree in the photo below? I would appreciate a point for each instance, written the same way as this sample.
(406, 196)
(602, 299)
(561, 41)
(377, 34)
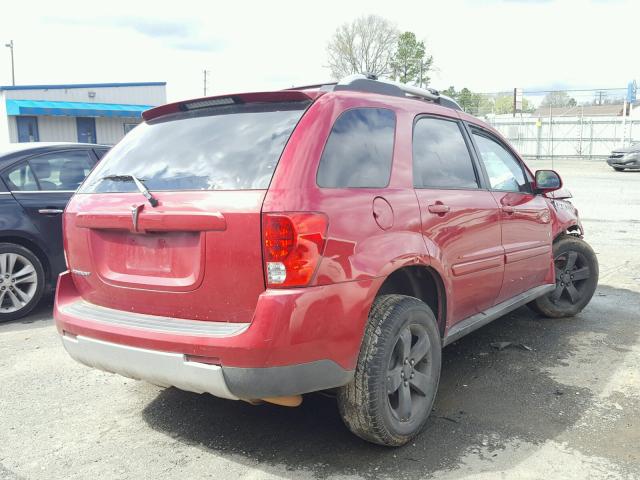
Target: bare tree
(365, 45)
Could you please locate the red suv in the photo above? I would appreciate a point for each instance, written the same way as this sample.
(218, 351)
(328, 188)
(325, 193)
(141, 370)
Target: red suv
(261, 246)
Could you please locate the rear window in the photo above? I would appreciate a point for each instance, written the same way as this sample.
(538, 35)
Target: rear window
(233, 147)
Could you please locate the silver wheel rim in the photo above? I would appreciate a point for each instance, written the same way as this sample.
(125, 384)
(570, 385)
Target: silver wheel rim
(18, 282)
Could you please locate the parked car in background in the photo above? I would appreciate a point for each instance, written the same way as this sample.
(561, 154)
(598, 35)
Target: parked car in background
(627, 158)
(36, 182)
(261, 246)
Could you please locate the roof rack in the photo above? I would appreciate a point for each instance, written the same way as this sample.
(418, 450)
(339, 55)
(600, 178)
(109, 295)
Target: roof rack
(313, 86)
(360, 82)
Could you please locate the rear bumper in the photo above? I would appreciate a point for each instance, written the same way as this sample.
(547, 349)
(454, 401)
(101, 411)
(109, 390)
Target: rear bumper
(160, 368)
(174, 370)
(299, 341)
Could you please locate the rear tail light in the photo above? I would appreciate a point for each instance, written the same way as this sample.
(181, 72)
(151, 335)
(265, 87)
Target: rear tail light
(293, 244)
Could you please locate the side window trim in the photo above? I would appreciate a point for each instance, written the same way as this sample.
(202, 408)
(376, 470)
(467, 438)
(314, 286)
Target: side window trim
(479, 174)
(477, 130)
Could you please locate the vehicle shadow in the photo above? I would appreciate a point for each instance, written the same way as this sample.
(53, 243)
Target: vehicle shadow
(487, 398)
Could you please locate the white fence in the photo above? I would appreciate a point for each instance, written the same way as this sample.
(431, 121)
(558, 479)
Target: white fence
(590, 137)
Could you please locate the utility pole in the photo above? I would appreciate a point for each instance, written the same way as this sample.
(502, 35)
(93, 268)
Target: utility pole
(206, 72)
(13, 71)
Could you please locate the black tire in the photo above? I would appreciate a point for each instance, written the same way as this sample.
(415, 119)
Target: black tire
(7, 284)
(371, 406)
(576, 279)
(618, 169)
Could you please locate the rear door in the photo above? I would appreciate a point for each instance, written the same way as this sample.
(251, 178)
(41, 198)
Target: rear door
(198, 253)
(43, 185)
(460, 219)
(525, 217)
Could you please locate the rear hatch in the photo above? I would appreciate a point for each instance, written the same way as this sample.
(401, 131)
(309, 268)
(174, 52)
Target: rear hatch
(197, 253)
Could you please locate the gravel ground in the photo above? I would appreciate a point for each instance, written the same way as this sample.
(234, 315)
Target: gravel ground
(570, 408)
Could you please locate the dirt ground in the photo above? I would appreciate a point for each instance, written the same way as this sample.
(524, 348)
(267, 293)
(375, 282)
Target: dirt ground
(569, 408)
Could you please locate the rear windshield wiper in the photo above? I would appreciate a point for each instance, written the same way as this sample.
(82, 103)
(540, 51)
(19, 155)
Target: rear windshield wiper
(124, 178)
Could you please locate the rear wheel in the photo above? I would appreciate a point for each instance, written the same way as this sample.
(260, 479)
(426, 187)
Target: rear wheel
(21, 281)
(576, 268)
(397, 375)
(618, 169)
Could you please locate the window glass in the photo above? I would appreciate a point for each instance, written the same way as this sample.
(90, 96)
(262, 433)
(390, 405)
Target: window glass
(505, 172)
(129, 126)
(359, 150)
(100, 152)
(235, 147)
(441, 158)
(20, 178)
(61, 170)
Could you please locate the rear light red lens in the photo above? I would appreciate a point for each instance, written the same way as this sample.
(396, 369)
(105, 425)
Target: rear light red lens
(293, 244)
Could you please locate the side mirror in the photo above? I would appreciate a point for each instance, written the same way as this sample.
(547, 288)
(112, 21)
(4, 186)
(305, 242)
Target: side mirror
(547, 181)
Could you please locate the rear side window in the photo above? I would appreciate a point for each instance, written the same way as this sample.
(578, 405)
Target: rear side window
(234, 147)
(441, 158)
(20, 178)
(359, 150)
(61, 170)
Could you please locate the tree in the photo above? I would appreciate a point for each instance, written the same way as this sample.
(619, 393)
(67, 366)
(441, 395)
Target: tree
(365, 45)
(558, 99)
(470, 102)
(410, 63)
(504, 104)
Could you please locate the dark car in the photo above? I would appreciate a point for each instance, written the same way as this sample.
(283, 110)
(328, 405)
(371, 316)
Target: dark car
(625, 158)
(36, 182)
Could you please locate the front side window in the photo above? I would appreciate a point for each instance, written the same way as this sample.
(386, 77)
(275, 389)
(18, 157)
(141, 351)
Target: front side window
(359, 150)
(235, 147)
(441, 158)
(504, 171)
(20, 178)
(61, 170)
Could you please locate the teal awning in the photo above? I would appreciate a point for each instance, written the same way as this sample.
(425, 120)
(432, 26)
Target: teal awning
(74, 109)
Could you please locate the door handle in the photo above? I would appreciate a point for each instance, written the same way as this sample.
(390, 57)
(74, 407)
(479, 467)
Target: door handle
(439, 208)
(508, 209)
(50, 211)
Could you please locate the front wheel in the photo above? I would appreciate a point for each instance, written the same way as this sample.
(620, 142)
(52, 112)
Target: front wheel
(576, 268)
(390, 398)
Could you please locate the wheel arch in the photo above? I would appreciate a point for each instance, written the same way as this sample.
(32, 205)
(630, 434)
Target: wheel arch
(422, 282)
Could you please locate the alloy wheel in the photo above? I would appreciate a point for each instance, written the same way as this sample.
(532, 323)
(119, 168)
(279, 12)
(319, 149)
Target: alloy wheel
(18, 282)
(408, 374)
(572, 273)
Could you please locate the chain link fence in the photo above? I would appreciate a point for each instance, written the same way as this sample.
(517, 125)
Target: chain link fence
(567, 123)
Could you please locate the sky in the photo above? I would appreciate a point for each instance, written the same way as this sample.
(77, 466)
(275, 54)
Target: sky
(487, 46)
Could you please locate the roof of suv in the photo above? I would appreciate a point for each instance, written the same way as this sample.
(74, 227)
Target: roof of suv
(353, 83)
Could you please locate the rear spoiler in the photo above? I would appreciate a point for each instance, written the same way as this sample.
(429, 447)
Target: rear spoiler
(238, 98)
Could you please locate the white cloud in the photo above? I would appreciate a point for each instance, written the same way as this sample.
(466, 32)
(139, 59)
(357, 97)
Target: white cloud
(484, 45)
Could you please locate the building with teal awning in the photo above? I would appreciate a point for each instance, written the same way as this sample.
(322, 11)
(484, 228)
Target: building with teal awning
(91, 113)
